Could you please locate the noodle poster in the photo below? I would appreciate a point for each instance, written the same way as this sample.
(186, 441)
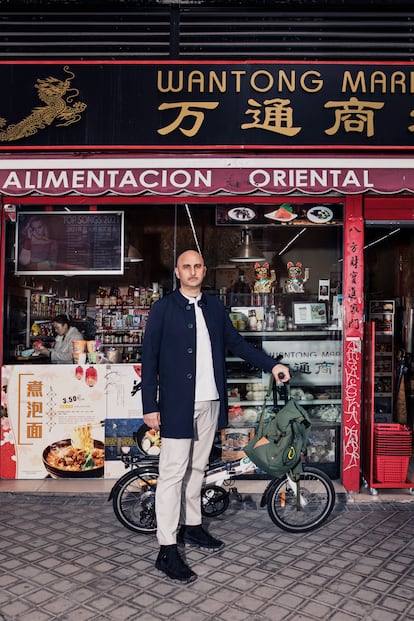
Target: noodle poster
(57, 417)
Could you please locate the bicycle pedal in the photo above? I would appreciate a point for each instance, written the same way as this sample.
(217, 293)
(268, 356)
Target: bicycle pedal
(235, 492)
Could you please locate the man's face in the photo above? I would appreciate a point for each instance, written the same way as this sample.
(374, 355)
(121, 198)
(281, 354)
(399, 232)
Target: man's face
(190, 270)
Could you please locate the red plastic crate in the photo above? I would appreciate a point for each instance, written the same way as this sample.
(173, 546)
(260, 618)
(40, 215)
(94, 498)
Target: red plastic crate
(391, 427)
(392, 441)
(391, 468)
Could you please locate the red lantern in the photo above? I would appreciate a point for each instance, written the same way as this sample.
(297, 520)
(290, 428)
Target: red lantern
(79, 372)
(91, 376)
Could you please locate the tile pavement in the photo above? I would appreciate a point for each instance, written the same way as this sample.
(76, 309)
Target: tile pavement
(65, 557)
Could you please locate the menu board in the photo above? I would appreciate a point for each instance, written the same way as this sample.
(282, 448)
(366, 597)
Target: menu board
(70, 242)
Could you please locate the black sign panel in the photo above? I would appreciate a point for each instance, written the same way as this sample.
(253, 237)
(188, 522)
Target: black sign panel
(164, 105)
(283, 213)
(72, 242)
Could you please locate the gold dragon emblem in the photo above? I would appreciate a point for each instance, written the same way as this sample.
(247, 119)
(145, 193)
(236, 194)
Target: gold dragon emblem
(60, 105)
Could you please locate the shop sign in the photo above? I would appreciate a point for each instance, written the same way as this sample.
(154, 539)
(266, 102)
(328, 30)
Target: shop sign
(313, 362)
(168, 104)
(205, 176)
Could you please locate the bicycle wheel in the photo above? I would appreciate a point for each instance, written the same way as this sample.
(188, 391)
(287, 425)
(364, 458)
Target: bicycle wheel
(133, 499)
(214, 500)
(317, 499)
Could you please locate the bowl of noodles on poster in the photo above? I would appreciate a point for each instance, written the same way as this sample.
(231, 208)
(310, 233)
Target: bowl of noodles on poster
(78, 457)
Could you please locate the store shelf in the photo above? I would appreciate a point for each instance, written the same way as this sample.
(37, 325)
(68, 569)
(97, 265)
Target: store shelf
(382, 314)
(387, 445)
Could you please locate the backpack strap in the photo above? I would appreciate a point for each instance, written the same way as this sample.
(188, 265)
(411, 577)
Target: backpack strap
(263, 412)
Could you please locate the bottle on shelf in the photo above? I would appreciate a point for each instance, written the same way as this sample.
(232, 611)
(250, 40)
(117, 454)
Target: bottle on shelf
(252, 319)
(240, 293)
(155, 292)
(130, 295)
(280, 320)
(270, 318)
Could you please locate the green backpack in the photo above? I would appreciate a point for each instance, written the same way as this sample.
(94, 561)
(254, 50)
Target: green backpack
(278, 444)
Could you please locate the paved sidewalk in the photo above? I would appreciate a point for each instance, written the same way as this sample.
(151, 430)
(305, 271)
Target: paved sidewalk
(66, 557)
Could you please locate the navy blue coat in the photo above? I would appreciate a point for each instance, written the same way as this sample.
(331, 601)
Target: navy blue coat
(169, 360)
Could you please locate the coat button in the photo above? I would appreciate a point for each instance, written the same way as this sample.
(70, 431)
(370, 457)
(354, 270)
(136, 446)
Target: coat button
(189, 376)
(188, 307)
(190, 350)
(190, 325)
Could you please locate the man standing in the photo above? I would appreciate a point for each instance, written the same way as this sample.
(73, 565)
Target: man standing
(184, 396)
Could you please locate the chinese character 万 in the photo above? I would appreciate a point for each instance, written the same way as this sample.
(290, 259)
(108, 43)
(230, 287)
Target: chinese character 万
(187, 109)
(355, 115)
(277, 116)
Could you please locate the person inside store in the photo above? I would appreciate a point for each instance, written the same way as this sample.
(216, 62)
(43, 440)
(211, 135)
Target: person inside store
(38, 250)
(66, 334)
(184, 396)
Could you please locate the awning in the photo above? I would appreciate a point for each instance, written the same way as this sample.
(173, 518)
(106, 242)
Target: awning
(172, 175)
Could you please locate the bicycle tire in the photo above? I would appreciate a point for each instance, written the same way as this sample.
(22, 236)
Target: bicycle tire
(214, 500)
(133, 499)
(318, 500)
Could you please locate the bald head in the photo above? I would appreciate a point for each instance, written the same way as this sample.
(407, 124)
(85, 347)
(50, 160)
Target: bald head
(191, 272)
(189, 255)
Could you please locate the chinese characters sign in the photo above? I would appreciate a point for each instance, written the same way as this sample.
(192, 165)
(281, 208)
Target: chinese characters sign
(353, 326)
(354, 269)
(208, 105)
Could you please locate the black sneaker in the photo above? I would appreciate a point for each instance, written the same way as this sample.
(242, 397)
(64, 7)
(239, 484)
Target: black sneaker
(197, 537)
(172, 565)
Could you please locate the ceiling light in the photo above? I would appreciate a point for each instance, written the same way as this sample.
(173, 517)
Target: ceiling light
(247, 252)
(133, 255)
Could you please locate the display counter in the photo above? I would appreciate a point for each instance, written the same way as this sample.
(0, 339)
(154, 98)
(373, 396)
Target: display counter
(315, 361)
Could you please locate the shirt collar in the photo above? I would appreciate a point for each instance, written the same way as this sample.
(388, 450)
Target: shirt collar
(193, 300)
(183, 299)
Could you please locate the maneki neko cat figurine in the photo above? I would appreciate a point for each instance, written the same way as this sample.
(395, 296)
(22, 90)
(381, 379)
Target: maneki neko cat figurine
(264, 278)
(296, 277)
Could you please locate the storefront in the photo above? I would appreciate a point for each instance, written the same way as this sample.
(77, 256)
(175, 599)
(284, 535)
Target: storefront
(184, 181)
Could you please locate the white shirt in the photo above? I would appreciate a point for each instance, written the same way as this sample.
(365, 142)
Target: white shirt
(205, 385)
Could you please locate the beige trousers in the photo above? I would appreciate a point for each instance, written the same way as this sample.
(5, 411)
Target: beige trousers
(181, 472)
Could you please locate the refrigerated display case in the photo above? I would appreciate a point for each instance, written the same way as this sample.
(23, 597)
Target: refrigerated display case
(314, 357)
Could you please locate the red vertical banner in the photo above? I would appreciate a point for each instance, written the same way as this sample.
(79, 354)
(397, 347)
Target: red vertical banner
(353, 281)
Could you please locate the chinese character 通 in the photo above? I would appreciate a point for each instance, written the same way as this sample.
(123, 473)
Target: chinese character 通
(277, 118)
